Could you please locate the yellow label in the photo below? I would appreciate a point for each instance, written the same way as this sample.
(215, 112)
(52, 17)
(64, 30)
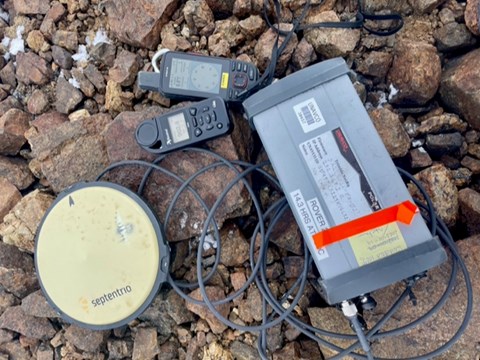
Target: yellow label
(377, 244)
(224, 84)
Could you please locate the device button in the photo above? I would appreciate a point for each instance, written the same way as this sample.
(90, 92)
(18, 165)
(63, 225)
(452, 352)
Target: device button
(147, 133)
(205, 109)
(240, 81)
(239, 66)
(197, 132)
(209, 127)
(230, 93)
(214, 116)
(245, 68)
(200, 121)
(237, 93)
(194, 121)
(219, 125)
(233, 65)
(251, 73)
(208, 119)
(193, 111)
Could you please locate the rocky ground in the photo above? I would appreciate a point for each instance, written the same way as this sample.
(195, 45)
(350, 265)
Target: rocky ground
(69, 104)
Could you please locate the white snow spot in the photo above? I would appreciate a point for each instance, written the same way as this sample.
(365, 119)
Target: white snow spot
(209, 242)
(196, 225)
(14, 45)
(183, 220)
(6, 41)
(4, 15)
(74, 82)
(368, 105)
(81, 55)
(382, 101)
(393, 92)
(417, 143)
(101, 37)
(422, 150)
(17, 45)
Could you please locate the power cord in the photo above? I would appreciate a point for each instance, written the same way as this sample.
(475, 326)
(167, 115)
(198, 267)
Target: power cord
(267, 219)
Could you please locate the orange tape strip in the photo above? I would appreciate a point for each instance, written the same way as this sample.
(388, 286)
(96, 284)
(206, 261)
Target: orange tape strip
(403, 212)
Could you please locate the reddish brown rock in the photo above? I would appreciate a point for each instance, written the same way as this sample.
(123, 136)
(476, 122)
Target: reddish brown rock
(419, 158)
(95, 77)
(376, 64)
(67, 96)
(31, 7)
(146, 344)
(71, 152)
(66, 39)
(304, 55)
(138, 23)
(469, 201)
(253, 26)
(472, 164)
(391, 131)
(32, 69)
(16, 171)
(234, 247)
(85, 85)
(36, 305)
(263, 49)
(441, 123)
(13, 125)
(438, 183)
(125, 68)
(330, 42)
(86, 340)
(9, 197)
(199, 17)
(7, 74)
(472, 16)
(460, 87)
(286, 234)
(213, 293)
(16, 271)
(16, 320)
(20, 224)
(49, 121)
(9, 103)
(415, 73)
(38, 102)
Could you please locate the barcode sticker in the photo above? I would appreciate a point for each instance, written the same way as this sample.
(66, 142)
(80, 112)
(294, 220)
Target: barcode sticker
(309, 115)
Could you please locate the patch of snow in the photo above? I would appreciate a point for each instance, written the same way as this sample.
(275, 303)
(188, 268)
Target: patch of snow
(417, 143)
(393, 92)
(4, 15)
(74, 82)
(422, 150)
(17, 45)
(382, 101)
(101, 37)
(6, 41)
(81, 55)
(14, 45)
(183, 220)
(209, 242)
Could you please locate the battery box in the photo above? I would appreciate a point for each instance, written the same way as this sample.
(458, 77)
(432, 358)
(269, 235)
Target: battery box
(354, 211)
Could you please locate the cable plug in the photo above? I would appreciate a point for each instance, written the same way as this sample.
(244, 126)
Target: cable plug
(349, 309)
(148, 80)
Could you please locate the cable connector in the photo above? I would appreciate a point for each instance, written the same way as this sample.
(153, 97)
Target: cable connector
(349, 309)
(148, 80)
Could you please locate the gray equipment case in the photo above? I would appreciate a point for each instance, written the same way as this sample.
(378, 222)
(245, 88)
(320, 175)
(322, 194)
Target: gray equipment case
(334, 168)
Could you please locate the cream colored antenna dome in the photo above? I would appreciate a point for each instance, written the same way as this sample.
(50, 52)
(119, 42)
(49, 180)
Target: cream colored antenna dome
(100, 255)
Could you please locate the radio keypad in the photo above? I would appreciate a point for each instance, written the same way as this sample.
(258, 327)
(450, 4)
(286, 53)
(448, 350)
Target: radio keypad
(203, 122)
